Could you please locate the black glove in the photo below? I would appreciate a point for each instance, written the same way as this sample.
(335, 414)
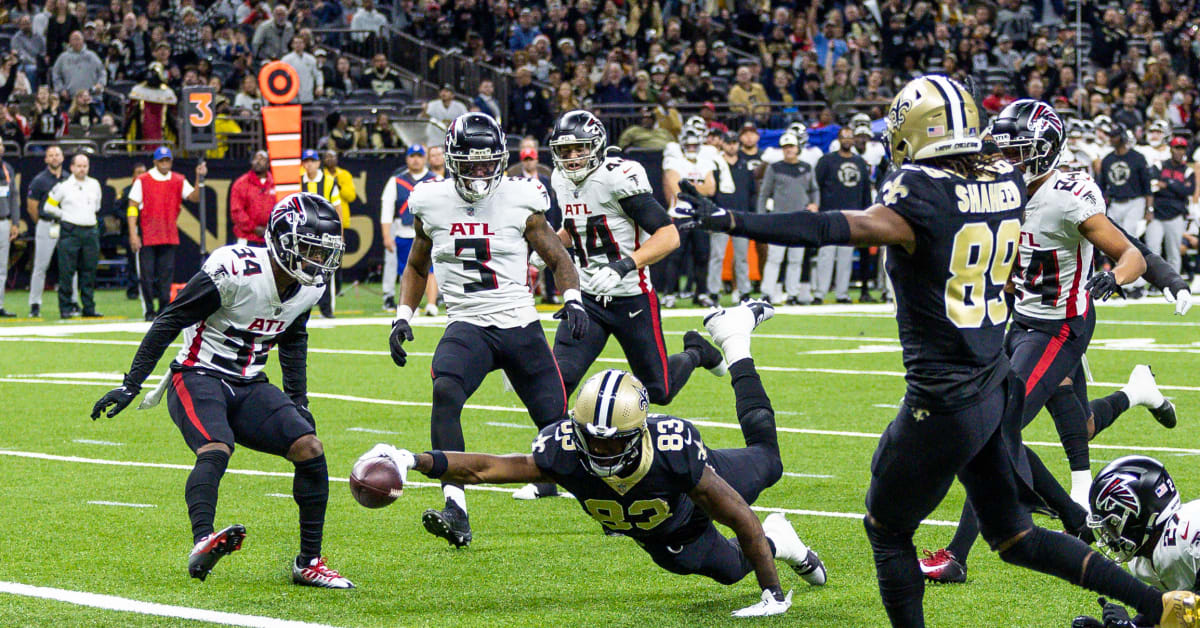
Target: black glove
(1103, 285)
(401, 331)
(1086, 621)
(1115, 615)
(115, 400)
(704, 213)
(577, 319)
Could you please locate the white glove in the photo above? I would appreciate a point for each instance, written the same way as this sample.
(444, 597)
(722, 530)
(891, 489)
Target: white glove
(537, 262)
(768, 606)
(603, 281)
(1181, 299)
(402, 458)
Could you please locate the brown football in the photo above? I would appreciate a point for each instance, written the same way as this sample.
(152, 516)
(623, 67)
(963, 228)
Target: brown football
(375, 483)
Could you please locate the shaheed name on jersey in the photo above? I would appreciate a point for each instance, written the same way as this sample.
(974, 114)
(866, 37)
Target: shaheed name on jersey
(654, 495)
(952, 323)
(598, 226)
(479, 249)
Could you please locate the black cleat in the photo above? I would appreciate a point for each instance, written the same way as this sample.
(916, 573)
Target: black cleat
(710, 357)
(450, 523)
(35, 311)
(1165, 414)
(211, 548)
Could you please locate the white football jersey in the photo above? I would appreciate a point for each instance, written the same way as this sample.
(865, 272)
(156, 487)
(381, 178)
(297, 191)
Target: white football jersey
(236, 339)
(1055, 259)
(809, 154)
(600, 229)
(480, 255)
(1155, 156)
(1176, 558)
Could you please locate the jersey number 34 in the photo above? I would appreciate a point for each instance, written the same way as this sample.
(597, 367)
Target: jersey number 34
(980, 262)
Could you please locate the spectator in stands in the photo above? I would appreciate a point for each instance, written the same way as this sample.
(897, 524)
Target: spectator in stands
(13, 126)
(367, 18)
(251, 199)
(380, 77)
(341, 136)
(78, 68)
(613, 88)
(47, 120)
(312, 83)
(10, 215)
(329, 14)
(83, 113)
(247, 98)
(383, 134)
(12, 79)
(528, 110)
(999, 98)
(1109, 37)
(30, 49)
(359, 129)
(272, 36)
(59, 28)
(745, 92)
(74, 202)
(341, 80)
(441, 111)
(1128, 112)
(523, 31)
(187, 34)
(485, 100)
(437, 162)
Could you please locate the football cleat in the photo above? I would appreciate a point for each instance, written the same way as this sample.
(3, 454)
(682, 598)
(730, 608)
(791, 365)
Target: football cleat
(536, 491)
(389, 304)
(738, 320)
(211, 548)
(791, 550)
(710, 357)
(317, 574)
(943, 567)
(1142, 390)
(450, 523)
(1179, 610)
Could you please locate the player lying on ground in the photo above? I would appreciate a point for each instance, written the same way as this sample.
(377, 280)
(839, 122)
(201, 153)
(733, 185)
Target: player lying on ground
(1138, 520)
(652, 478)
(617, 231)
(1055, 318)
(951, 219)
(477, 229)
(243, 302)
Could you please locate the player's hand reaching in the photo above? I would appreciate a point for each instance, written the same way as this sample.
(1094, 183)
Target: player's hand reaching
(537, 262)
(402, 458)
(610, 275)
(773, 603)
(1115, 615)
(1182, 299)
(401, 332)
(115, 400)
(1103, 285)
(703, 213)
(573, 313)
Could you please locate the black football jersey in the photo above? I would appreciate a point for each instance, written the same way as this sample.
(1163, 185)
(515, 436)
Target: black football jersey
(950, 304)
(651, 504)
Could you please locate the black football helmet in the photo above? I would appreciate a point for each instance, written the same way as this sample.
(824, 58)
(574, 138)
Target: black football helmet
(476, 155)
(573, 131)
(1129, 499)
(304, 237)
(1030, 135)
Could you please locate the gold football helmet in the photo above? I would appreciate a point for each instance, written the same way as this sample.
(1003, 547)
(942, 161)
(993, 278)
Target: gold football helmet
(932, 116)
(610, 421)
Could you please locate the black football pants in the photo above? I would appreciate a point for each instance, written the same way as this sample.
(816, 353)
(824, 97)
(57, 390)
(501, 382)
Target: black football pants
(156, 271)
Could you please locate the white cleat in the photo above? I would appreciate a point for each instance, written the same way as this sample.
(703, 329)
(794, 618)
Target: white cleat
(1143, 391)
(791, 550)
(317, 574)
(738, 320)
(431, 309)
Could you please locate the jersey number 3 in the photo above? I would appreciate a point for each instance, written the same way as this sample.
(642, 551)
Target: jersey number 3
(483, 253)
(981, 259)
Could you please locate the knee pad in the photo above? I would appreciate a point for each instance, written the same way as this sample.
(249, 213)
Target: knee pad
(885, 541)
(449, 391)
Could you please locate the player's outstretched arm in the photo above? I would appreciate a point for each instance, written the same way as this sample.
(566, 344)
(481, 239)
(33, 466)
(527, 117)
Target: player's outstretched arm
(1161, 275)
(1101, 231)
(470, 468)
(196, 302)
(727, 507)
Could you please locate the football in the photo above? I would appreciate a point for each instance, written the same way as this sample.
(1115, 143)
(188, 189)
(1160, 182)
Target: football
(375, 482)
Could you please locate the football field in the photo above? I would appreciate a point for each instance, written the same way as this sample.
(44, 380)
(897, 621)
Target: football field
(94, 530)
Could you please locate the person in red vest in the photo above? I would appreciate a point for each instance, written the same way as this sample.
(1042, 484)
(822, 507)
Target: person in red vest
(251, 200)
(155, 201)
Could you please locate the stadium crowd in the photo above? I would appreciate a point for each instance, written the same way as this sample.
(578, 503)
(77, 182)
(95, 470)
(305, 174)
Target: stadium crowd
(746, 70)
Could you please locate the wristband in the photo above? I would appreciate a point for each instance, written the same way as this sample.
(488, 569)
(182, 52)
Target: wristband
(623, 266)
(572, 294)
(439, 464)
(404, 313)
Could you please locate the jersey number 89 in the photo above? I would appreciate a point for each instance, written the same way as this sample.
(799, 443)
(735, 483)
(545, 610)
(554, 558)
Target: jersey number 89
(981, 259)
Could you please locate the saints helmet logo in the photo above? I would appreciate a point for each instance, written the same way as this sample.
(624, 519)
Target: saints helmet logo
(849, 174)
(643, 398)
(1119, 173)
(1118, 494)
(897, 115)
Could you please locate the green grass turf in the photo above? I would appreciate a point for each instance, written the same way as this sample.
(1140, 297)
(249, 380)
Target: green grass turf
(531, 564)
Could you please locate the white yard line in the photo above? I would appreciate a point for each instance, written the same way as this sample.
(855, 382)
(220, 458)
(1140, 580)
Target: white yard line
(88, 441)
(125, 504)
(114, 603)
(369, 430)
(806, 475)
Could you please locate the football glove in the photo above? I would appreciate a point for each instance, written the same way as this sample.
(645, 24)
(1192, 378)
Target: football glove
(115, 400)
(537, 262)
(1086, 621)
(573, 313)
(770, 605)
(703, 213)
(1115, 615)
(610, 275)
(401, 331)
(1103, 285)
(1182, 299)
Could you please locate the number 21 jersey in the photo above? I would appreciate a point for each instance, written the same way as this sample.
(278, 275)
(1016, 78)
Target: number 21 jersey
(480, 255)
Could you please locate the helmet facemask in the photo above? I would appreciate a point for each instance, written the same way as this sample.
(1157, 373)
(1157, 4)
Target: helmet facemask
(1110, 532)
(1032, 155)
(576, 158)
(477, 173)
(627, 443)
(307, 258)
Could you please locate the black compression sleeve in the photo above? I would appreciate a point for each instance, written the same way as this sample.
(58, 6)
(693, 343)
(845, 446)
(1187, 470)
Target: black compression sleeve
(293, 355)
(196, 302)
(645, 212)
(794, 229)
(1158, 272)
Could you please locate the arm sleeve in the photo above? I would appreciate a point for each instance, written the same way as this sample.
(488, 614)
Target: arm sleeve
(196, 302)
(293, 356)
(794, 229)
(645, 212)
(1159, 273)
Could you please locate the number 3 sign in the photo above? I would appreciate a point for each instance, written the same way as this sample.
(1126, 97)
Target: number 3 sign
(197, 129)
